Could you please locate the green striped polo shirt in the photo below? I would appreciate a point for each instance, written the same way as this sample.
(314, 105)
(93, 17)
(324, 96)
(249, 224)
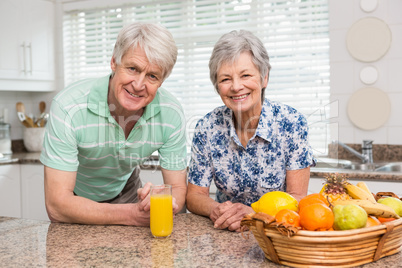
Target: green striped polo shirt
(81, 135)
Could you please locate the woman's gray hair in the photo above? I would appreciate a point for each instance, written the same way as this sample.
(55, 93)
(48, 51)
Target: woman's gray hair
(157, 42)
(230, 46)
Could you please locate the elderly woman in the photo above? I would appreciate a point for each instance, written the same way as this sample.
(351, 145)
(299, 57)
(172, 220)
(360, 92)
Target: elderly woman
(251, 145)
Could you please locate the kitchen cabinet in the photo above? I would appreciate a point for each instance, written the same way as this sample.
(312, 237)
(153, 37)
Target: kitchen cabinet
(10, 194)
(32, 192)
(22, 192)
(27, 49)
(155, 177)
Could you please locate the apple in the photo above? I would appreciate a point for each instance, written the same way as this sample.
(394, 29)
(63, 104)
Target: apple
(348, 217)
(392, 202)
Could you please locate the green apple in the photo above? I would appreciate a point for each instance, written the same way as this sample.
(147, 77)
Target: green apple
(348, 217)
(392, 202)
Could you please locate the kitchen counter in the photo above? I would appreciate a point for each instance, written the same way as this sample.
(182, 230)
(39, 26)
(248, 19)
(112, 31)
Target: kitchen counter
(357, 175)
(152, 164)
(22, 158)
(193, 243)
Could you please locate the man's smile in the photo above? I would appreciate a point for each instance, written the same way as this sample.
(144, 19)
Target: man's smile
(131, 94)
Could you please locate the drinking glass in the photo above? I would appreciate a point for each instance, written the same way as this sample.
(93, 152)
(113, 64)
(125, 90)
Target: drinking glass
(161, 211)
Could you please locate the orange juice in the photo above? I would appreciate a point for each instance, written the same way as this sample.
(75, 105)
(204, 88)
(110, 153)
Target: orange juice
(161, 215)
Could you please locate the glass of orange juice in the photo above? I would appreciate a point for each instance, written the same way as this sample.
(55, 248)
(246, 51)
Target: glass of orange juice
(161, 211)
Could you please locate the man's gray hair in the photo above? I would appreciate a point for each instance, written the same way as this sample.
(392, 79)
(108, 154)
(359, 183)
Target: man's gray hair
(157, 42)
(230, 46)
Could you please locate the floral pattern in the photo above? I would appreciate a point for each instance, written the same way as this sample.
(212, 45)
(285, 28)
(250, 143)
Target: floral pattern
(241, 174)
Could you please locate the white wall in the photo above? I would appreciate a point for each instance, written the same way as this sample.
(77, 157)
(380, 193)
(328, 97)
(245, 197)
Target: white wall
(345, 70)
(344, 73)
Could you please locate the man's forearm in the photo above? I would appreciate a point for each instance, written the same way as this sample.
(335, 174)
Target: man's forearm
(81, 210)
(179, 193)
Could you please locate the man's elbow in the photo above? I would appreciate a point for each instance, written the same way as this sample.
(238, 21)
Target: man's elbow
(52, 213)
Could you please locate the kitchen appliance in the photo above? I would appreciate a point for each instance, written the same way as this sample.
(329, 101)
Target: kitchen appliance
(5, 140)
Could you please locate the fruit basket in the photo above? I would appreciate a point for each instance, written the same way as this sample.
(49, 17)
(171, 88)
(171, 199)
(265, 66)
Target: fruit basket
(300, 248)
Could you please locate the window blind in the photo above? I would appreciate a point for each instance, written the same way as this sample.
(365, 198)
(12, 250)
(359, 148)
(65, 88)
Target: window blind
(295, 33)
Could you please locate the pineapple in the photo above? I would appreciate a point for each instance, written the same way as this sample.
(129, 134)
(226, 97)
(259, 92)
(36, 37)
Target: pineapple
(334, 188)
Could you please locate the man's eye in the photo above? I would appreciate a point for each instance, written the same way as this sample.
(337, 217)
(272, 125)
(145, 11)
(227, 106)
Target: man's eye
(131, 69)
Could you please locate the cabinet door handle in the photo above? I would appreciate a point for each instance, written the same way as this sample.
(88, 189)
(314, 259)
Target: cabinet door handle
(30, 57)
(24, 58)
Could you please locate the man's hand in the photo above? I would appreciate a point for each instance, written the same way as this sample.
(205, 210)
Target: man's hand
(229, 215)
(144, 197)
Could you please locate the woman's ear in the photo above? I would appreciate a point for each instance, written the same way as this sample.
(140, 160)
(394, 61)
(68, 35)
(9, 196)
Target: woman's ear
(266, 79)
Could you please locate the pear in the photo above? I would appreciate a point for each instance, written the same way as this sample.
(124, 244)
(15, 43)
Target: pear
(392, 202)
(348, 217)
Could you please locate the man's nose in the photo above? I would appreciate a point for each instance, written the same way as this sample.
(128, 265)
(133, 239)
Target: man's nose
(139, 82)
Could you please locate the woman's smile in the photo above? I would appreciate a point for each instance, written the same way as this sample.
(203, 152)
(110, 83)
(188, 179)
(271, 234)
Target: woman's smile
(240, 97)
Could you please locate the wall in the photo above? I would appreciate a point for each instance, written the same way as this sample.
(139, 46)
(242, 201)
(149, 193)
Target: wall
(345, 71)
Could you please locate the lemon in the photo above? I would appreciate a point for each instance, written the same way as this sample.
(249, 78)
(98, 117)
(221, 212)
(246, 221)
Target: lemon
(271, 202)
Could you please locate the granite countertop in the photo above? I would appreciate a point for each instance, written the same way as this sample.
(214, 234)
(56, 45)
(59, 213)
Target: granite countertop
(357, 175)
(193, 243)
(22, 158)
(152, 164)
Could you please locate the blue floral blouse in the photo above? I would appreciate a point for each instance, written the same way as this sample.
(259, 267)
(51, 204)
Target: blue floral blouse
(241, 174)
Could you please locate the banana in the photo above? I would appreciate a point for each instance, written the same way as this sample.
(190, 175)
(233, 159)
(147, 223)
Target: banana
(363, 185)
(371, 208)
(358, 193)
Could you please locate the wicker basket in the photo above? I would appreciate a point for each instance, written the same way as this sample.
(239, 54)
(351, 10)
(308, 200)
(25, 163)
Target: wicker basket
(325, 248)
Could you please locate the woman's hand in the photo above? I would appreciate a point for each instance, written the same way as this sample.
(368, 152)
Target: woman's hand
(229, 215)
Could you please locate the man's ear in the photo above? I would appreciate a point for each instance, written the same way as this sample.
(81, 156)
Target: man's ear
(113, 64)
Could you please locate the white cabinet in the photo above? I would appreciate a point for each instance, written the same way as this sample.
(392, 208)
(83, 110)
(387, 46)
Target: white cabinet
(155, 177)
(10, 194)
(27, 49)
(22, 192)
(32, 192)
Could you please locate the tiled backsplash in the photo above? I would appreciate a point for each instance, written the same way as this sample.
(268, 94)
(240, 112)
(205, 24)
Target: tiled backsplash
(381, 152)
(17, 146)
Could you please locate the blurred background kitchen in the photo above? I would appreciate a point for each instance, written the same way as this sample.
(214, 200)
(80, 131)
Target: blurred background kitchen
(337, 61)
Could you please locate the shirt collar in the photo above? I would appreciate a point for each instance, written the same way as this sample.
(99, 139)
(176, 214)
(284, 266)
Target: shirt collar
(264, 128)
(265, 125)
(97, 100)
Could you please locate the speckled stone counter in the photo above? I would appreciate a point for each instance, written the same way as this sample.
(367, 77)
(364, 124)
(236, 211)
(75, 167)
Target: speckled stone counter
(22, 158)
(194, 243)
(357, 175)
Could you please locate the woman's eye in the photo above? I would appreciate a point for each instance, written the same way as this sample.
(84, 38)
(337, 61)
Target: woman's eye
(224, 80)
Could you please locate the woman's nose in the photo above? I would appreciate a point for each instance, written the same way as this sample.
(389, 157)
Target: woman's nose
(236, 84)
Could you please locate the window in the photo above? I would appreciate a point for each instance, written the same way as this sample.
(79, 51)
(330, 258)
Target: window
(295, 33)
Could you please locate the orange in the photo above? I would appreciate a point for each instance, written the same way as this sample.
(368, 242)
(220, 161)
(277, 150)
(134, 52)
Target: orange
(316, 217)
(288, 216)
(372, 221)
(385, 219)
(312, 199)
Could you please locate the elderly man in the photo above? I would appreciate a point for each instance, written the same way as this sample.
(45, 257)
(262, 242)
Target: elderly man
(100, 130)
